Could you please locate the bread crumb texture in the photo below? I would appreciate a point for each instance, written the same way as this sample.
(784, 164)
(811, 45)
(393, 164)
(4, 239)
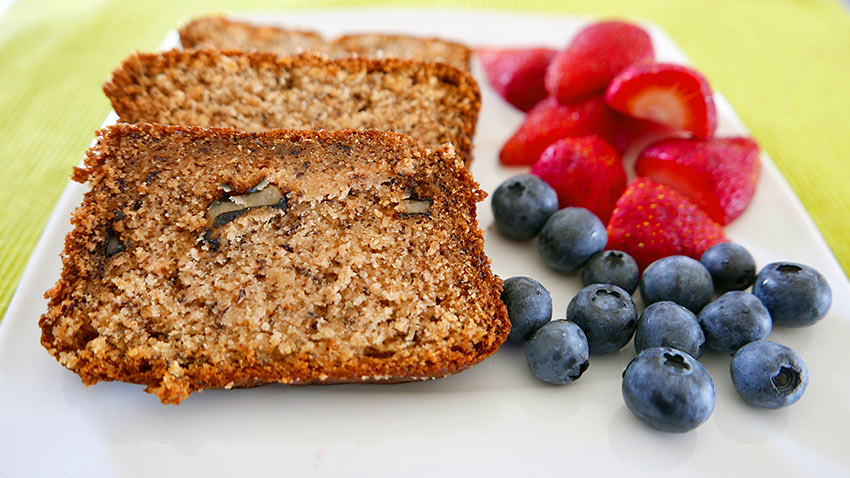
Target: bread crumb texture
(369, 267)
(431, 102)
(226, 34)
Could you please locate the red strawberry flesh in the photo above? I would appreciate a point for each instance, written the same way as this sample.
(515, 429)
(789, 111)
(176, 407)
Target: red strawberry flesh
(517, 73)
(651, 221)
(550, 121)
(594, 57)
(585, 172)
(673, 95)
(631, 132)
(719, 175)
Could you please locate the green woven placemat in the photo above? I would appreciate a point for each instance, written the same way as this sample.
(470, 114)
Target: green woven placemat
(783, 64)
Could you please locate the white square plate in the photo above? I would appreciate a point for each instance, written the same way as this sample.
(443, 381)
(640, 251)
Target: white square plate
(494, 419)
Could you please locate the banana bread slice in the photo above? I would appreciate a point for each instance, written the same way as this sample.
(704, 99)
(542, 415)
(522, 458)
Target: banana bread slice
(376, 45)
(208, 258)
(225, 34)
(431, 102)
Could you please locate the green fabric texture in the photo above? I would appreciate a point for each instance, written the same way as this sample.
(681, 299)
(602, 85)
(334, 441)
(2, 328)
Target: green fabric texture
(783, 64)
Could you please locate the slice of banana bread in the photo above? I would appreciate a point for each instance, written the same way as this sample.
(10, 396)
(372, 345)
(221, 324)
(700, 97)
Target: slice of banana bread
(208, 258)
(431, 102)
(375, 45)
(225, 34)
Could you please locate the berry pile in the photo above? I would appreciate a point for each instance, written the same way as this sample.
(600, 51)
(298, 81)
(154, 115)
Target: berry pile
(604, 95)
(587, 105)
(665, 385)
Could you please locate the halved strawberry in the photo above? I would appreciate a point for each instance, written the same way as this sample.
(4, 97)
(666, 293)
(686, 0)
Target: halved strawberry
(550, 121)
(673, 95)
(633, 132)
(517, 73)
(719, 175)
(585, 172)
(594, 57)
(651, 221)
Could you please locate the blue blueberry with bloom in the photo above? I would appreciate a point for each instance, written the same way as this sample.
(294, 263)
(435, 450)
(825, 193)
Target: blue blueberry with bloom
(668, 390)
(529, 306)
(607, 315)
(735, 319)
(668, 324)
(731, 266)
(569, 238)
(679, 279)
(522, 204)
(795, 294)
(557, 353)
(769, 375)
(611, 267)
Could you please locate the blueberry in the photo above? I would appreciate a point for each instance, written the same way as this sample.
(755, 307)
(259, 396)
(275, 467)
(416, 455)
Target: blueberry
(769, 375)
(611, 267)
(677, 278)
(668, 324)
(735, 319)
(606, 314)
(795, 294)
(557, 352)
(529, 306)
(669, 390)
(730, 265)
(570, 237)
(522, 204)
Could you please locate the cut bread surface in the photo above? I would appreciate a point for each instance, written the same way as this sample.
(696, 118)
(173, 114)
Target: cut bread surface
(433, 103)
(381, 45)
(209, 258)
(226, 34)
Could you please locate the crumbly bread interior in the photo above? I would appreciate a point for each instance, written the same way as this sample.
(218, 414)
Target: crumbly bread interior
(431, 102)
(369, 268)
(374, 45)
(224, 34)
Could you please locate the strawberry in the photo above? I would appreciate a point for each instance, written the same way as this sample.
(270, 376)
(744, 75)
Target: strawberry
(517, 74)
(673, 95)
(550, 121)
(631, 132)
(651, 221)
(719, 175)
(594, 57)
(585, 172)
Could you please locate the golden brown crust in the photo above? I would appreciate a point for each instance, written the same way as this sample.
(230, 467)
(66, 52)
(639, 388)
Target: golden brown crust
(130, 317)
(432, 102)
(225, 34)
